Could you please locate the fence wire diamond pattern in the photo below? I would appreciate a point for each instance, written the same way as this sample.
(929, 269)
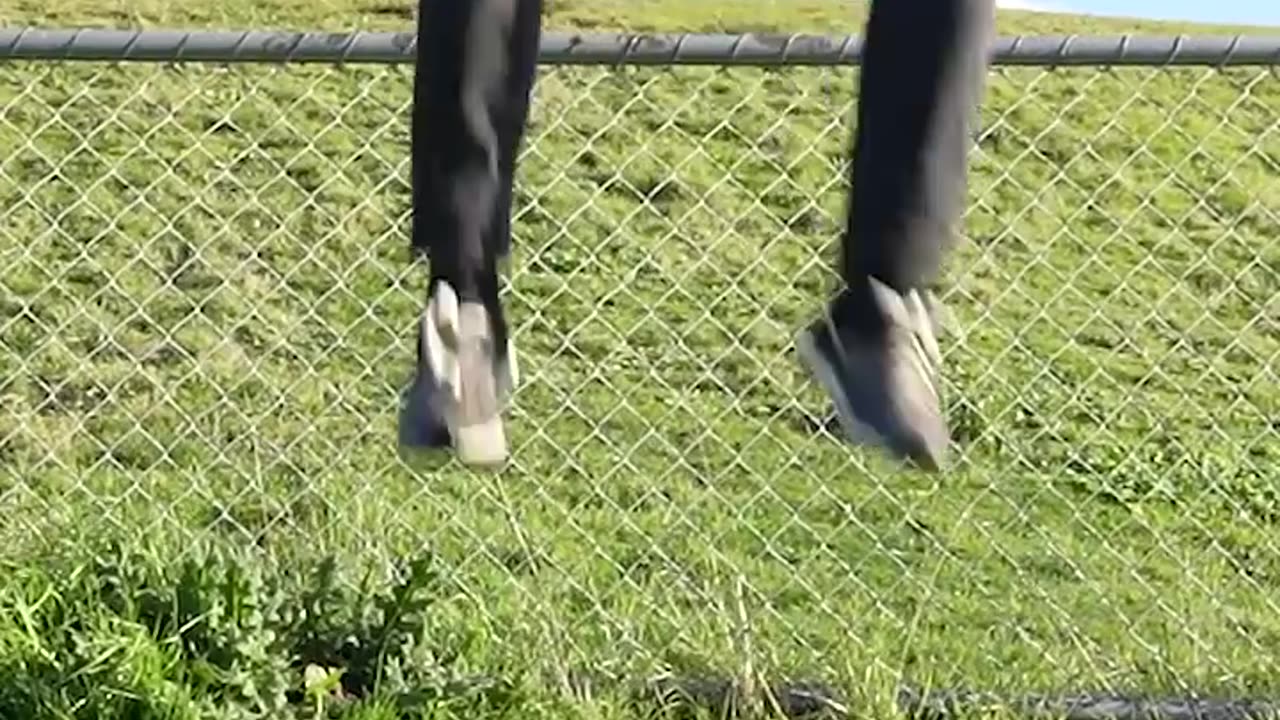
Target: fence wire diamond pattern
(206, 314)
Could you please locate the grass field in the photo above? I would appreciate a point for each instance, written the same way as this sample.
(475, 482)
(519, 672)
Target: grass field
(205, 316)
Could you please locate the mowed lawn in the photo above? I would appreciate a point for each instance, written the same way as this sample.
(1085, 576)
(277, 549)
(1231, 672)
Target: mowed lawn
(206, 314)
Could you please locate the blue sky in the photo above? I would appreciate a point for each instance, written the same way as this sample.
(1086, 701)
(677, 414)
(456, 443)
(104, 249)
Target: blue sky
(1236, 12)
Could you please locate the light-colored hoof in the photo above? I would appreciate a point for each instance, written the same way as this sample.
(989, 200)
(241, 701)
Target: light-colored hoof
(482, 444)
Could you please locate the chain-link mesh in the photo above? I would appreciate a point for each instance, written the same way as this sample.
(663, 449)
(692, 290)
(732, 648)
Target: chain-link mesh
(206, 315)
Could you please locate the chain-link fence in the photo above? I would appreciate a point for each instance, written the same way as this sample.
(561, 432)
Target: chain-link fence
(206, 315)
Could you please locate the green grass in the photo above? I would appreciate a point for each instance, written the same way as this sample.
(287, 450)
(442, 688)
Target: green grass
(205, 315)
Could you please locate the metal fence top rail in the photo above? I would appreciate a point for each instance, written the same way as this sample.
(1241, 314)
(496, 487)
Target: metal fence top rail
(568, 48)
